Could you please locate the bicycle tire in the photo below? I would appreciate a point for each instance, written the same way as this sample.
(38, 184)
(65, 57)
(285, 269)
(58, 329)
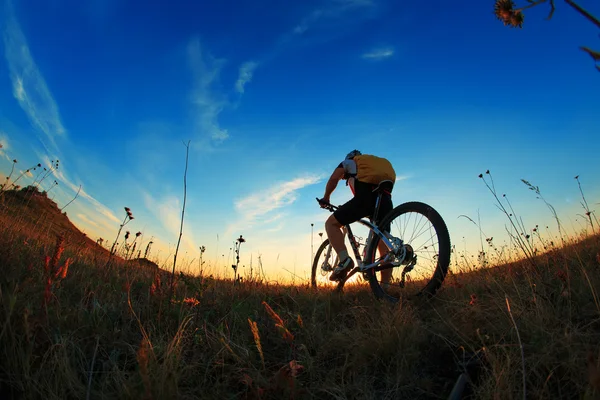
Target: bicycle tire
(432, 280)
(316, 267)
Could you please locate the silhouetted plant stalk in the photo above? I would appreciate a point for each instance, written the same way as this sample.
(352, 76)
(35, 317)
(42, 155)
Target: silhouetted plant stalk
(54, 165)
(126, 220)
(125, 246)
(187, 151)
(133, 245)
(13, 185)
(148, 248)
(72, 200)
(4, 186)
(506, 12)
(238, 243)
(54, 184)
(524, 372)
(536, 190)
(46, 172)
(200, 262)
(584, 204)
(521, 238)
(482, 258)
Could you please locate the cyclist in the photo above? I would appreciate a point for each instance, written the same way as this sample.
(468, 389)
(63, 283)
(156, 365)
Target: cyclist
(363, 173)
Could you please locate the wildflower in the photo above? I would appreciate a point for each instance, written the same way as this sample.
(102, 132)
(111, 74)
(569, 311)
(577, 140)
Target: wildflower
(15, 161)
(503, 10)
(516, 19)
(138, 234)
(481, 175)
(285, 377)
(127, 210)
(190, 301)
(127, 235)
(473, 299)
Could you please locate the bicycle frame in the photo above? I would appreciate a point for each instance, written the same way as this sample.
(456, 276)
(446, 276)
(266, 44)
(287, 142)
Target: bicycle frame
(393, 244)
(373, 230)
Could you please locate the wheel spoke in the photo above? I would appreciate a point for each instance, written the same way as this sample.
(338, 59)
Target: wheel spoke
(421, 228)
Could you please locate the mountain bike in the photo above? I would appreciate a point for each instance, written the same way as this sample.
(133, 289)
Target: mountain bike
(418, 252)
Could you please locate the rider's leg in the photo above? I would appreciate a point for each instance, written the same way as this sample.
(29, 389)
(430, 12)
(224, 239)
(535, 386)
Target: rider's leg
(385, 207)
(336, 237)
(386, 274)
(344, 215)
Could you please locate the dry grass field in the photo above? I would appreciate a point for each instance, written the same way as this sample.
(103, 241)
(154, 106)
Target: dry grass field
(75, 325)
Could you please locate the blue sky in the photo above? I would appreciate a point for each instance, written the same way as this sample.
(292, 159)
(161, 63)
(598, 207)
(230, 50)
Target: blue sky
(273, 94)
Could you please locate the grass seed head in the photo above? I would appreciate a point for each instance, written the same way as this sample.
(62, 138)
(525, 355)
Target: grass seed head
(274, 316)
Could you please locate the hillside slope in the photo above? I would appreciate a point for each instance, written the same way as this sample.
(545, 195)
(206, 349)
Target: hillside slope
(36, 216)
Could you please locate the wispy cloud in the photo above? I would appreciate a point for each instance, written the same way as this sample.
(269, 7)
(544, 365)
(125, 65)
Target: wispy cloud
(246, 73)
(332, 9)
(330, 12)
(256, 208)
(87, 220)
(36, 100)
(168, 211)
(97, 207)
(379, 53)
(4, 145)
(29, 87)
(208, 102)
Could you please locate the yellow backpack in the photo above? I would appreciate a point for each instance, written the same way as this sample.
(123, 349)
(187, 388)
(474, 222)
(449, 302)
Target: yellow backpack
(373, 169)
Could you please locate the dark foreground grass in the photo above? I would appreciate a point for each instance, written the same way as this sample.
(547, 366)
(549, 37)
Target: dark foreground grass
(116, 332)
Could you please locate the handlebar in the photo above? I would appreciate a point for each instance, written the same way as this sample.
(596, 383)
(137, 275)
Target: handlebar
(327, 206)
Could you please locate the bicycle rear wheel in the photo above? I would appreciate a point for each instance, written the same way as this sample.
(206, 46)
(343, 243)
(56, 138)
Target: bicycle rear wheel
(427, 241)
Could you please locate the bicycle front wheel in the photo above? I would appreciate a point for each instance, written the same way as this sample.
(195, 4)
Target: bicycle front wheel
(427, 242)
(323, 264)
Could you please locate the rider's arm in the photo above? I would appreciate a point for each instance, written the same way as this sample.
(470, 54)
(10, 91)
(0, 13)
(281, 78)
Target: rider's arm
(337, 174)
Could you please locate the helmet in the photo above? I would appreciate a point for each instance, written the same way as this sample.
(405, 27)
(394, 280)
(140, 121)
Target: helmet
(352, 154)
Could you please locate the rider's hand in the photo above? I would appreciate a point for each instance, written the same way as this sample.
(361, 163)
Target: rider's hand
(324, 202)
